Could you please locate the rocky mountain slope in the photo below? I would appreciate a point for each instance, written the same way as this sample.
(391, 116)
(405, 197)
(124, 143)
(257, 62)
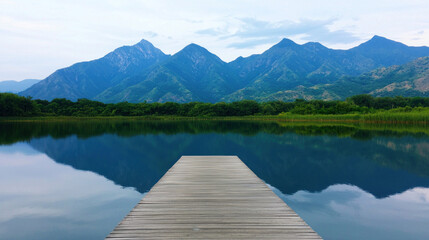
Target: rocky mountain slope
(285, 71)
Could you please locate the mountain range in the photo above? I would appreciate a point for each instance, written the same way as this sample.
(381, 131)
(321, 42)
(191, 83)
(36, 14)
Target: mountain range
(286, 71)
(408, 80)
(88, 79)
(17, 86)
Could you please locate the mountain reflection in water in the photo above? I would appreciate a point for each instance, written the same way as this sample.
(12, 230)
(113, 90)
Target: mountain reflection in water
(337, 177)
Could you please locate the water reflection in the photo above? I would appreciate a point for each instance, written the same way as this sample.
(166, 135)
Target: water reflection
(40, 199)
(348, 212)
(383, 167)
(289, 161)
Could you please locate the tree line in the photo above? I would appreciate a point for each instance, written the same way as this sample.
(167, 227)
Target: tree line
(15, 105)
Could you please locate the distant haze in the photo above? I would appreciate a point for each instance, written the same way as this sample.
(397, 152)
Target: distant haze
(37, 39)
(17, 86)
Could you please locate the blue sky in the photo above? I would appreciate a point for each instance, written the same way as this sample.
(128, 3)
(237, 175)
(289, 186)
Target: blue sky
(38, 37)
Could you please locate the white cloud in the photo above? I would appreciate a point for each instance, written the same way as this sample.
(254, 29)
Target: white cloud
(37, 191)
(38, 38)
(357, 214)
(254, 32)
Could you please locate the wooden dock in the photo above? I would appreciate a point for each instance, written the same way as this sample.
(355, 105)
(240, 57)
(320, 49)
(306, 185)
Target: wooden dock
(211, 197)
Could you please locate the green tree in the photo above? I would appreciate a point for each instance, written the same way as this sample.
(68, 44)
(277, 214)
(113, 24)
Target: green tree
(363, 100)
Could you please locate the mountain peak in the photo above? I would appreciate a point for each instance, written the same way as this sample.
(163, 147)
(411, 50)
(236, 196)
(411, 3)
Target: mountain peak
(145, 46)
(195, 51)
(285, 42)
(194, 48)
(377, 37)
(315, 45)
(382, 42)
(141, 50)
(144, 42)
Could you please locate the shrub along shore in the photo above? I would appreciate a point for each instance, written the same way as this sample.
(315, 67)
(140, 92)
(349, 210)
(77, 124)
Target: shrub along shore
(360, 108)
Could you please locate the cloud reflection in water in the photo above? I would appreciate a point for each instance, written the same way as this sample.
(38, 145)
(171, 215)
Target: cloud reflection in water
(351, 213)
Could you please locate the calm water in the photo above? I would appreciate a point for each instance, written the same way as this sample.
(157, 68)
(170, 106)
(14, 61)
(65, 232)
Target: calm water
(78, 180)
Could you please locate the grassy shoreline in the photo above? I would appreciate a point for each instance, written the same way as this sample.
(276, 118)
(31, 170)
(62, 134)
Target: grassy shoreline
(245, 125)
(380, 117)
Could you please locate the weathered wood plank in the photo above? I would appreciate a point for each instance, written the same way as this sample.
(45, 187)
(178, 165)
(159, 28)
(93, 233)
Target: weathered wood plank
(211, 197)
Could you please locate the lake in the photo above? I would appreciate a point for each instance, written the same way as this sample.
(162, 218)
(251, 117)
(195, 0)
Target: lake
(78, 179)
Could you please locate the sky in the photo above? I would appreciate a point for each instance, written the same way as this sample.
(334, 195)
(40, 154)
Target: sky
(39, 37)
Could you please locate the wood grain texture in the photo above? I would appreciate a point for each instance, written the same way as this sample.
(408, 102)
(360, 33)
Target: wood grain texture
(211, 197)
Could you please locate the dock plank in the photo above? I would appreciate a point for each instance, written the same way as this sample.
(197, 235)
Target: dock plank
(211, 197)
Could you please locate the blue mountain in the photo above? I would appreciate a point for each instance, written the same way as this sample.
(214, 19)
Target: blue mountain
(144, 73)
(88, 79)
(17, 86)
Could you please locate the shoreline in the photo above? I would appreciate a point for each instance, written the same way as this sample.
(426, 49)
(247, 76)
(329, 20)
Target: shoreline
(346, 118)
